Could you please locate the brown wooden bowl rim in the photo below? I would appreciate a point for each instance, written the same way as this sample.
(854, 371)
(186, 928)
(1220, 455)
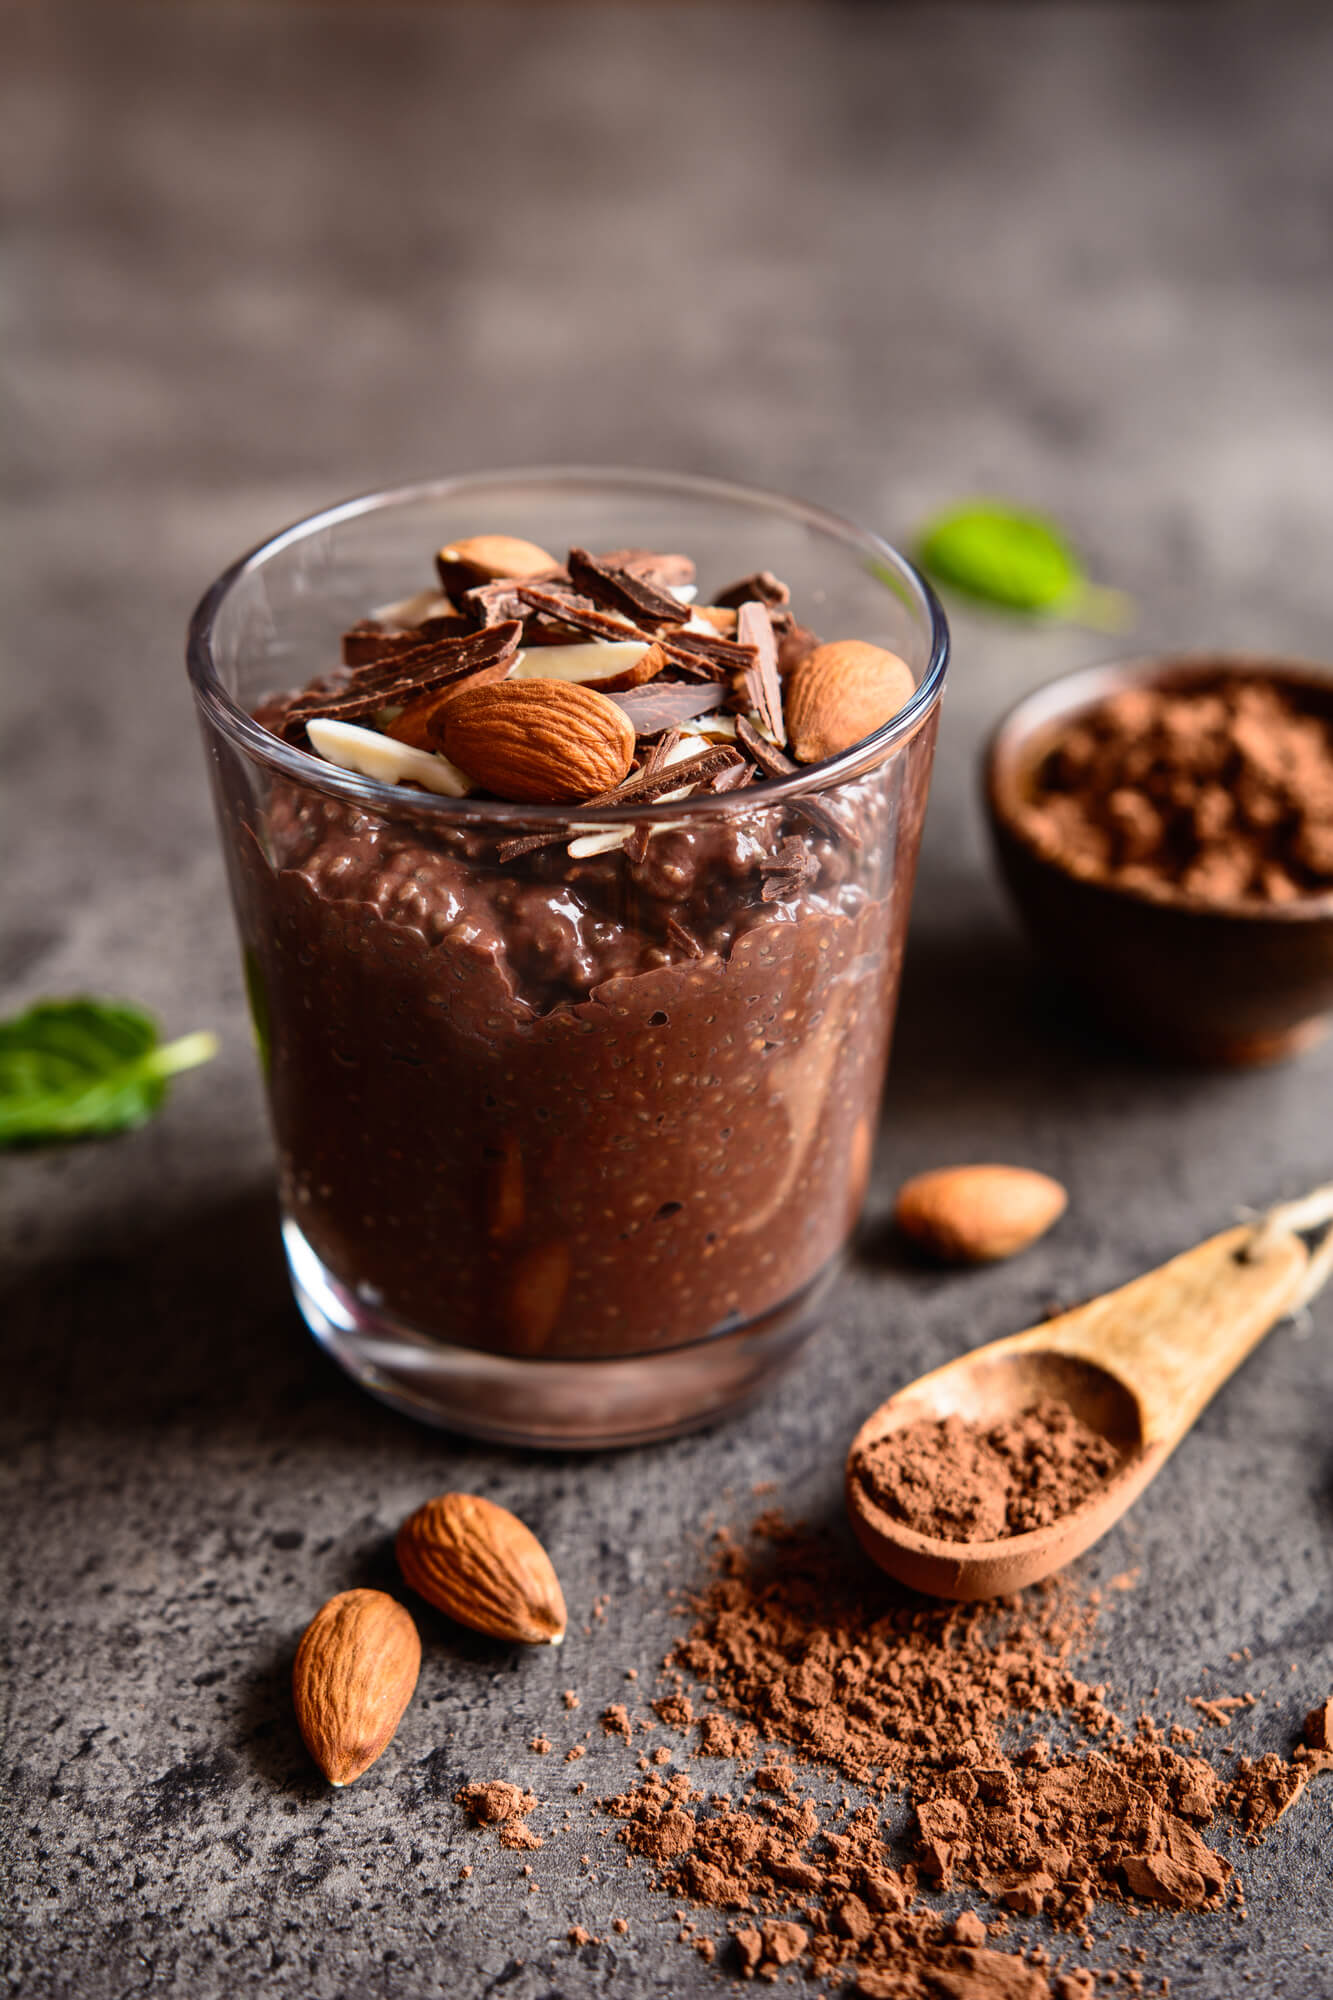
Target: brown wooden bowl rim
(1084, 687)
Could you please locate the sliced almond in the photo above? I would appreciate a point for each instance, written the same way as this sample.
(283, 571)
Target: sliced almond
(375, 755)
(598, 840)
(719, 618)
(699, 736)
(840, 693)
(477, 1563)
(977, 1215)
(489, 559)
(538, 741)
(353, 1676)
(613, 664)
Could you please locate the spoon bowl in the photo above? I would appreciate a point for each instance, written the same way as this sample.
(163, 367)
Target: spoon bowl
(1136, 1365)
(1002, 1386)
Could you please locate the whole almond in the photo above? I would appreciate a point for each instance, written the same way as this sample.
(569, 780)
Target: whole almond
(841, 692)
(419, 722)
(976, 1215)
(479, 1564)
(353, 1676)
(542, 742)
(488, 559)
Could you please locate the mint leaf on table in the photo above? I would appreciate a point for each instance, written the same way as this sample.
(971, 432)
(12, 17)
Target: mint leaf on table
(1011, 557)
(75, 1069)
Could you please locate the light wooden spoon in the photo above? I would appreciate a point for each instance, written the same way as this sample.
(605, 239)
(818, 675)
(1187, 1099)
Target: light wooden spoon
(1136, 1365)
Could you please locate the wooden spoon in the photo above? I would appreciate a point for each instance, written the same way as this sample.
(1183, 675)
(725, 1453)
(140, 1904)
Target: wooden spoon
(1136, 1365)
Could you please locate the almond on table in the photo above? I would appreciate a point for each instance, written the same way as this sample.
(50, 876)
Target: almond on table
(978, 1214)
(353, 1676)
(479, 1564)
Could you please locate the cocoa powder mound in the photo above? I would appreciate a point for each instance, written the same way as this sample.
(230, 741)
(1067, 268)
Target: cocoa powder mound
(503, 1806)
(1261, 1791)
(1319, 1726)
(893, 1690)
(1220, 789)
(960, 1481)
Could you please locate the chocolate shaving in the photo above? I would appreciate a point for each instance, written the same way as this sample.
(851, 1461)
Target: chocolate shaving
(688, 666)
(794, 643)
(775, 763)
(454, 653)
(755, 628)
(658, 752)
(703, 651)
(668, 572)
(658, 707)
(734, 778)
(529, 843)
(636, 845)
(579, 614)
(761, 588)
(621, 590)
(422, 670)
(494, 603)
(367, 643)
(826, 821)
(790, 865)
(682, 939)
(647, 785)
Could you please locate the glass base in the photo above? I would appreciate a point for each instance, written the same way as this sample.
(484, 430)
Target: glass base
(560, 1404)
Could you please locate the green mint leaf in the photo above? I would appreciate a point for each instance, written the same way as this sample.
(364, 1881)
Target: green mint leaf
(1005, 556)
(75, 1069)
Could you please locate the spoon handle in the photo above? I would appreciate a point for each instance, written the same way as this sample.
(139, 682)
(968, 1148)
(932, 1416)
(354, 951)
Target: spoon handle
(1174, 1335)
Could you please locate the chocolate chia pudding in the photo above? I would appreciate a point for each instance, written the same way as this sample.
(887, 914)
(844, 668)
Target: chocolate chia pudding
(599, 1088)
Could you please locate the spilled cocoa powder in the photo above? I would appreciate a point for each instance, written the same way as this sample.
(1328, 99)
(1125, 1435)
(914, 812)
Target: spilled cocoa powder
(960, 1481)
(503, 1806)
(1219, 789)
(958, 1705)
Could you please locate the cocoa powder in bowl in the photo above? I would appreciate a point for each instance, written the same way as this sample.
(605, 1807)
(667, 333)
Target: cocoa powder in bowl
(1221, 789)
(959, 1481)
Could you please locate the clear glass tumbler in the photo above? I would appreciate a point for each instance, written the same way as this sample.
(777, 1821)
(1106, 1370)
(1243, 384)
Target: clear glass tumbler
(570, 1141)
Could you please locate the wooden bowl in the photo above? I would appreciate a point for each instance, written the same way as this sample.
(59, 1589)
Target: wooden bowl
(1231, 983)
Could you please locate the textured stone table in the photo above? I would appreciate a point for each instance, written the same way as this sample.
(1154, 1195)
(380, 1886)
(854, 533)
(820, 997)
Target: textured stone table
(261, 256)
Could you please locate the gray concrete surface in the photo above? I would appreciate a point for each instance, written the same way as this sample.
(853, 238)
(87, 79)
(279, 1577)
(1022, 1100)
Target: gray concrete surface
(257, 257)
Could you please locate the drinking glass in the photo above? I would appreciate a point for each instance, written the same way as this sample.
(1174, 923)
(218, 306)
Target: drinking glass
(570, 1138)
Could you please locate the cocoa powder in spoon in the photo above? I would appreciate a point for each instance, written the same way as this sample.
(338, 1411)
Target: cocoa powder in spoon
(960, 1481)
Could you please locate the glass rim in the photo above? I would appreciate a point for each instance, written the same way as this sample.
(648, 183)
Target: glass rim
(377, 795)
